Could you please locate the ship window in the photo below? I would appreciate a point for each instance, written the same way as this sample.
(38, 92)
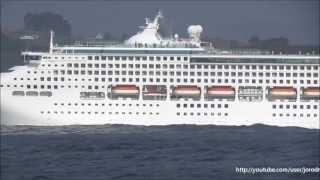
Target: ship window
(89, 57)
(301, 67)
(103, 57)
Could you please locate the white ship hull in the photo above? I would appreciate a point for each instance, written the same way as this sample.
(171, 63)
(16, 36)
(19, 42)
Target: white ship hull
(17, 110)
(154, 81)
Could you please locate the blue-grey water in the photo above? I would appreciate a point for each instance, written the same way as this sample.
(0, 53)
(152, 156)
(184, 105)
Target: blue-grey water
(183, 152)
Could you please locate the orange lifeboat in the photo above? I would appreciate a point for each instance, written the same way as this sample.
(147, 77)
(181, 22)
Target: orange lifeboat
(311, 93)
(125, 90)
(280, 92)
(220, 92)
(184, 91)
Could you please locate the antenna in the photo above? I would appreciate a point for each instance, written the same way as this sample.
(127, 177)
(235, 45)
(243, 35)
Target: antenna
(160, 15)
(51, 41)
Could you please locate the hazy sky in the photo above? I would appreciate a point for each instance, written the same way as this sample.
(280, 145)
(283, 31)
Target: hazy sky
(296, 19)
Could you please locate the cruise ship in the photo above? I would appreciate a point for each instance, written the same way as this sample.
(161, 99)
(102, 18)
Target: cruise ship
(152, 80)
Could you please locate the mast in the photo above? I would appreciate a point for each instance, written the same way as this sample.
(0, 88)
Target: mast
(51, 41)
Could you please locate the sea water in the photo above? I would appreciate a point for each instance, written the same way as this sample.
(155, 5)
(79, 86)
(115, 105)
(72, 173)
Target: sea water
(184, 152)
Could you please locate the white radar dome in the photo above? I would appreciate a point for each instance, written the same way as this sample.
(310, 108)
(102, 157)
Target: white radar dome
(195, 31)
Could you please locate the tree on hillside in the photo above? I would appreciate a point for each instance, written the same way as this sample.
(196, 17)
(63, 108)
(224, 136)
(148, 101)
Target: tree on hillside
(44, 22)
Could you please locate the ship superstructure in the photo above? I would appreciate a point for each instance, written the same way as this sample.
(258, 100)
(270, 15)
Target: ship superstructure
(150, 80)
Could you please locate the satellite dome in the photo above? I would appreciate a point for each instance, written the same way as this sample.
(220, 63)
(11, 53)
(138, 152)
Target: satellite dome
(195, 31)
